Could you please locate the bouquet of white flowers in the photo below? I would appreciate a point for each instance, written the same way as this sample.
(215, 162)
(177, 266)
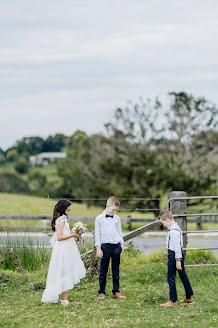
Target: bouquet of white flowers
(79, 227)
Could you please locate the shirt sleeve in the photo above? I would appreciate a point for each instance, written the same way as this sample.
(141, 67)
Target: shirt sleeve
(97, 232)
(176, 243)
(119, 229)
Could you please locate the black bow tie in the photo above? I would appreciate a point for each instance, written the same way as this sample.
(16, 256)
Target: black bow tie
(109, 216)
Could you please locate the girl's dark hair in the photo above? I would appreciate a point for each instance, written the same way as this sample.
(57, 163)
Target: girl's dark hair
(59, 210)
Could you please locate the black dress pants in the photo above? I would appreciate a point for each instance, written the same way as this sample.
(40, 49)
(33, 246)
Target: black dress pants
(110, 251)
(172, 276)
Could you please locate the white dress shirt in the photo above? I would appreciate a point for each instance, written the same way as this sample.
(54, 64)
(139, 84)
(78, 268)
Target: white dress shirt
(175, 240)
(108, 230)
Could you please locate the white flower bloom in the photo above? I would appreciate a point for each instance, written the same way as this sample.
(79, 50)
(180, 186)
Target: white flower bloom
(79, 227)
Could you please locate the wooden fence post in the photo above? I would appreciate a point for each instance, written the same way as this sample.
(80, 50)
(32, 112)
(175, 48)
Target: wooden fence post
(179, 207)
(198, 223)
(128, 223)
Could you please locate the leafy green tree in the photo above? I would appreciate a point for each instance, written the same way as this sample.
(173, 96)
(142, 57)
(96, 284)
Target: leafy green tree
(11, 155)
(147, 150)
(23, 147)
(54, 143)
(30, 145)
(13, 183)
(2, 156)
(170, 132)
(21, 165)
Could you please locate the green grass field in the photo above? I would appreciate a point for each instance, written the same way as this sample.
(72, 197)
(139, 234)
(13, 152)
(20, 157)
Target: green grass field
(32, 205)
(143, 281)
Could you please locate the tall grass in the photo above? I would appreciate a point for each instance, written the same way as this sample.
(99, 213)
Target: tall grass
(32, 255)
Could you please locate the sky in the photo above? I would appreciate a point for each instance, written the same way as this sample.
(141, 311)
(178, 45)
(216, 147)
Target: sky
(67, 65)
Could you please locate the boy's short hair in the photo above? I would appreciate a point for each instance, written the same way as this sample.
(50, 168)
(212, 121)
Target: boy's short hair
(113, 201)
(165, 215)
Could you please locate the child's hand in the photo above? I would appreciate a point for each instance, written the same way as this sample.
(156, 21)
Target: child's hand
(122, 246)
(75, 235)
(178, 265)
(99, 252)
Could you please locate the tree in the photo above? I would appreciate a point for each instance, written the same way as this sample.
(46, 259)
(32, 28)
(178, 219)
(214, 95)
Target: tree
(148, 149)
(21, 165)
(170, 132)
(78, 170)
(11, 155)
(54, 143)
(2, 156)
(12, 183)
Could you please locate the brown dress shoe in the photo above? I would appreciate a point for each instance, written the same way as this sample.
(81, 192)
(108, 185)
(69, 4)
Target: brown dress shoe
(101, 296)
(169, 303)
(118, 295)
(188, 300)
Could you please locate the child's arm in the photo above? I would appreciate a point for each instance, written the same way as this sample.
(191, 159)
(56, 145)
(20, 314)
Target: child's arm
(98, 238)
(59, 233)
(175, 239)
(119, 229)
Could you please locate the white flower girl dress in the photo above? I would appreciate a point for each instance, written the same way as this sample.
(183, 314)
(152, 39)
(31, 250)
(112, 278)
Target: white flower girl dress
(66, 267)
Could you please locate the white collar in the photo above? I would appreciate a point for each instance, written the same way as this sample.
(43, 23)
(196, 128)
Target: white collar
(173, 226)
(105, 212)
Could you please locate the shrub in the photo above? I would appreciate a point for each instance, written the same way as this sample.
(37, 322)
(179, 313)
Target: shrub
(12, 183)
(201, 257)
(37, 181)
(21, 165)
(11, 155)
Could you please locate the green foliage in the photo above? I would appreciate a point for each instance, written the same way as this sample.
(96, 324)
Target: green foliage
(2, 156)
(148, 149)
(11, 154)
(31, 256)
(54, 143)
(33, 259)
(12, 183)
(30, 145)
(201, 257)
(37, 181)
(35, 145)
(4, 278)
(21, 165)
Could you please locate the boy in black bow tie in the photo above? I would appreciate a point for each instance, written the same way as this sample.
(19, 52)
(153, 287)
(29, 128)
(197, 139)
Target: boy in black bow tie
(109, 244)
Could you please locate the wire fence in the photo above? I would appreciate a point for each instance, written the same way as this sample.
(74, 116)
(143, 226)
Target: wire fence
(198, 218)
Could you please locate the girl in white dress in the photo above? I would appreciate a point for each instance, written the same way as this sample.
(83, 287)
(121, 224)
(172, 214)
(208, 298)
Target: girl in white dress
(66, 267)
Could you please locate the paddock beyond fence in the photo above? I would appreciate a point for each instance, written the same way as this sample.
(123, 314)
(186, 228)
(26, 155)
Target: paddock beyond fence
(177, 203)
(129, 221)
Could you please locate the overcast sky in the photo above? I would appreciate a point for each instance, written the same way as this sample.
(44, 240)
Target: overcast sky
(67, 65)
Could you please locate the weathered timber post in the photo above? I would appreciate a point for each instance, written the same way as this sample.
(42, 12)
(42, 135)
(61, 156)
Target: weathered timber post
(179, 206)
(129, 223)
(198, 222)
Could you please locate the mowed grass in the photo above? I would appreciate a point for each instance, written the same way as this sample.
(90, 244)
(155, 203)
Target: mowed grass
(32, 205)
(143, 281)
